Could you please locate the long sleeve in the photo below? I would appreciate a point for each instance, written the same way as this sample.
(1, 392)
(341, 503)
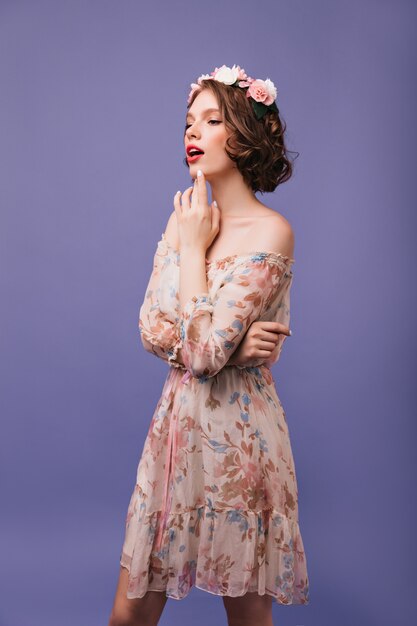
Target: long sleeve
(159, 314)
(212, 329)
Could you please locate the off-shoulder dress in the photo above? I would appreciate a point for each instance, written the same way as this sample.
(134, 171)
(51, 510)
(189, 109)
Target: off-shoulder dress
(215, 503)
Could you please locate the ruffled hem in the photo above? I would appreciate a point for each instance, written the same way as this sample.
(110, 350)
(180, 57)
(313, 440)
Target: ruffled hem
(226, 552)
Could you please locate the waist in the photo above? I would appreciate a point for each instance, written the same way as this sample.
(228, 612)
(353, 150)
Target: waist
(247, 368)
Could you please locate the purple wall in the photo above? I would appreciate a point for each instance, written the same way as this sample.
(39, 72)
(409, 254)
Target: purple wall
(92, 105)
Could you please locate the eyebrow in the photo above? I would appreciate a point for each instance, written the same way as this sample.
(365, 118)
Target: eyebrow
(206, 111)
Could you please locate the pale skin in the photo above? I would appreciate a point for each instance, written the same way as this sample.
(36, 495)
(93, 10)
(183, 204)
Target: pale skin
(200, 231)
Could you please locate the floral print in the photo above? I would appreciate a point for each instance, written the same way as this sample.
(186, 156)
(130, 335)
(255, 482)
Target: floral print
(215, 504)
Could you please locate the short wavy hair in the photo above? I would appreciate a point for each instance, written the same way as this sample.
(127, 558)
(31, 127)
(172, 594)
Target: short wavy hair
(256, 146)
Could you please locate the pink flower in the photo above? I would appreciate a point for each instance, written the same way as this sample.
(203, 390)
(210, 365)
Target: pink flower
(261, 91)
(241, 73)
(246, 83)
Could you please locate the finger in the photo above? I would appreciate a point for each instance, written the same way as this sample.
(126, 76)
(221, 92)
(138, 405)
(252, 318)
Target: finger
(177, 204)
(264, 335)
(259, 354)
(275, 327)
(267, 345)
(265, 329)
(202, 189)
(194, 201)
(186, 198)
(215, 217)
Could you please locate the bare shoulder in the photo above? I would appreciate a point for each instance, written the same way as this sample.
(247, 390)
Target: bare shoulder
(171, 231)
(276, 235)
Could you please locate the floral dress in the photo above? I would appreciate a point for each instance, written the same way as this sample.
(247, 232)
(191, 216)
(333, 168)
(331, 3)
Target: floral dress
(215, 504)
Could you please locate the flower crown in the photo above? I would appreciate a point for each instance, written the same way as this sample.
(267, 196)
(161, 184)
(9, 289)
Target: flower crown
(262, 93)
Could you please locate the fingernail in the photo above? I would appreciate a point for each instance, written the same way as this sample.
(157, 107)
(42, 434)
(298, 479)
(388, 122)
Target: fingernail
(215, 203)
(290, 332)
(199, 172)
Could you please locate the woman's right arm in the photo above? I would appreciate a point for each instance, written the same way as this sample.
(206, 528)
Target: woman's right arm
(158, 323)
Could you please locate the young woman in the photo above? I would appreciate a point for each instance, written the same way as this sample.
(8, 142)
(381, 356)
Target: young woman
(215, 504)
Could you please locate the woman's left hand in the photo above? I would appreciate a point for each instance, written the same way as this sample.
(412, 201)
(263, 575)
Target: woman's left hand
(198, 221)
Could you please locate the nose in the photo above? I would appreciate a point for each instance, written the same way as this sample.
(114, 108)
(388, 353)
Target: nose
(192, 131)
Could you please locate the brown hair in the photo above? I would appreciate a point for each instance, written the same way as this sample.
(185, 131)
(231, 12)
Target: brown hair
(256, 146)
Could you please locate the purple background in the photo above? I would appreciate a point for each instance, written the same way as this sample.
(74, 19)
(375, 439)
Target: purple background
(92, 100)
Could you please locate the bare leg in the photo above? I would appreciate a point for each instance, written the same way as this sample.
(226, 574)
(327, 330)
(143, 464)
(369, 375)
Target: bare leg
(144, 611)
(249, 610)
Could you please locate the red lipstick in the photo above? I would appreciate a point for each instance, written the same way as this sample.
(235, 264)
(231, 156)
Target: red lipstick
(193, 152)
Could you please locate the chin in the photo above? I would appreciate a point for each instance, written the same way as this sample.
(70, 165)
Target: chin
(193, 171)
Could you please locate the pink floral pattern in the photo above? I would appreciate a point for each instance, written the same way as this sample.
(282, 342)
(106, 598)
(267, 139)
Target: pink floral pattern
(215, 504)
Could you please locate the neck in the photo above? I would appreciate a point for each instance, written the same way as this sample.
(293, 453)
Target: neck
(233, 196)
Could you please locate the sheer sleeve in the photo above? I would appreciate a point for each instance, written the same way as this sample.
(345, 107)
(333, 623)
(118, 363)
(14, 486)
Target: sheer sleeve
(212, 329)
(159, 314)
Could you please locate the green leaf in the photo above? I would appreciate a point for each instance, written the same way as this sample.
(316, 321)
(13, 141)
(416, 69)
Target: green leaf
(259, 108)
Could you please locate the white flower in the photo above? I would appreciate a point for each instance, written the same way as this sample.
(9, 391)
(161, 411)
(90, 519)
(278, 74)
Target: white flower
(227, 75)
(270, 87)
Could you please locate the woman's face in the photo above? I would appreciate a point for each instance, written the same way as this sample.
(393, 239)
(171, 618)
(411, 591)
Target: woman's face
(205, 128)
